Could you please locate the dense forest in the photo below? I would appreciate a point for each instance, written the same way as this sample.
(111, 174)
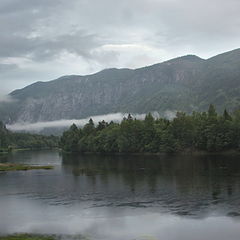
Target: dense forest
(205, 131)
(10, 140)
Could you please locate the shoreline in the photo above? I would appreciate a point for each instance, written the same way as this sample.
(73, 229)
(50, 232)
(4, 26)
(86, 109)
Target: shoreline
(26, 149)
(26, 236)
(183, 153)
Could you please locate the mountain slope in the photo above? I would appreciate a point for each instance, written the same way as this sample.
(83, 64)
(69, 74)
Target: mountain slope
(187, 83)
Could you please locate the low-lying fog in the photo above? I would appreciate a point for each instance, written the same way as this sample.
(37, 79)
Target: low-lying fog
(65, 123)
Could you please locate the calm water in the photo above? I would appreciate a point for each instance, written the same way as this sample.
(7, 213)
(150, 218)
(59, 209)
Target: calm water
(123, 197)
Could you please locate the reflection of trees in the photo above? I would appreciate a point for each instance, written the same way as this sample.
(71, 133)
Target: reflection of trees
(183, 184)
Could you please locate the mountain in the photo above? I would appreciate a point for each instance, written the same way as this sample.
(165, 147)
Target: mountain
(187, 83)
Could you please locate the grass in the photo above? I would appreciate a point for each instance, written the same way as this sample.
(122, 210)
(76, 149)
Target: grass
(27, 237)
(21, 167)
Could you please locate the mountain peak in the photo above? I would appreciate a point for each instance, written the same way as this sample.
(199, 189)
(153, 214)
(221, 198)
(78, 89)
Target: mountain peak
(186, 83)
(189, 58)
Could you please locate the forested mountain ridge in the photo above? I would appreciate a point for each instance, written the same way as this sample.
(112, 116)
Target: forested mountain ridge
(186, 83)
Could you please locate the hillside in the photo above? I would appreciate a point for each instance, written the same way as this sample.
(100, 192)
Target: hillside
(187, 83)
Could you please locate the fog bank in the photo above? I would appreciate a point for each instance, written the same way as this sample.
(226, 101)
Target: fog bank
(5, 98)
(65, 123)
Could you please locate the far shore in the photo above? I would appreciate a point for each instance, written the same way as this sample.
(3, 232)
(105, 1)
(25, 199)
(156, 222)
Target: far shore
(182, 153)
(8, 151)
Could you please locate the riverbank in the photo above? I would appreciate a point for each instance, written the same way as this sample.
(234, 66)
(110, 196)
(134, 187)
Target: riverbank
(13, 150)
(180, 153)
(27, 237)
(21, 167)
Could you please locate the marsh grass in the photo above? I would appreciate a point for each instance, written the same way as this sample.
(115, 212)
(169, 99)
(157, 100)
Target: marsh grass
(27, 237)
(21, 167)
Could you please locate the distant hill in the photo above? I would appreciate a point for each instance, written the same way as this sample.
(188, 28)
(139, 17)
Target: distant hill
(187, 83)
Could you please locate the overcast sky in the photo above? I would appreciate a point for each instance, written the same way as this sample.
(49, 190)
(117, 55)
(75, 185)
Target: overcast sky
(43, 39)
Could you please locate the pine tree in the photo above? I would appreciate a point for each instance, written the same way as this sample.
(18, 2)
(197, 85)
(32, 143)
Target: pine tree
(226, 116)
(212, 111)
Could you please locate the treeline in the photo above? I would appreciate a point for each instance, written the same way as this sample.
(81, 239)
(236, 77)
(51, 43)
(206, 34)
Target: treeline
(206, 131)
(10, 140)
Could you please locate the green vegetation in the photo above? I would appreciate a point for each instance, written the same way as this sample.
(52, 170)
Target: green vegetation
(206, 131)
(10, 140)
(27, 237)
(21, 167)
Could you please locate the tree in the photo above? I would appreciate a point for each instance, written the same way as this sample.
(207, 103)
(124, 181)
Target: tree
(89, 127)
(212, 111)
(226, 115)
(206, 131)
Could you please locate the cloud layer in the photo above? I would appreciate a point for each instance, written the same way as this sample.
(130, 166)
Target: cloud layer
(39, 126)
(41, 40)
(66, 123)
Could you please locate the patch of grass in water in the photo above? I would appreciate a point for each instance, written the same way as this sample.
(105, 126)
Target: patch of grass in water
(27, 237)
(21, 167)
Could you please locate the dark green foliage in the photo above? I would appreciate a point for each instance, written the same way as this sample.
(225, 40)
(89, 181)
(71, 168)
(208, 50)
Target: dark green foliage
(27, 237)
(205, 131)
(212, 112)
(226, 115)
(10, 140)
(4, 136)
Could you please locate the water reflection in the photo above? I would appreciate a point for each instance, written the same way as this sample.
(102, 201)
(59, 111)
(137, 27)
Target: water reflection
(123, 197)
(185, 185)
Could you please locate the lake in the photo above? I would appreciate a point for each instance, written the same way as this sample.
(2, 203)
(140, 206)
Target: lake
(123, 197)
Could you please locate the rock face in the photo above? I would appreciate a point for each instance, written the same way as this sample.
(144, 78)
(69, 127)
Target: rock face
(186, 84)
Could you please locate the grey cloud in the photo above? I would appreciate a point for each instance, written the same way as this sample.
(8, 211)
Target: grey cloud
(14, 6)
(25, 19)
(41, 49)
(41, 31)
(5, 67)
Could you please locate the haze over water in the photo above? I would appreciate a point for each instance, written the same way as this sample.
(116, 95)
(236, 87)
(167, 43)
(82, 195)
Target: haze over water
(123, 197)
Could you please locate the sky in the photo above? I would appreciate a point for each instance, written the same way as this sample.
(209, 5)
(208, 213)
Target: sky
(43, 40)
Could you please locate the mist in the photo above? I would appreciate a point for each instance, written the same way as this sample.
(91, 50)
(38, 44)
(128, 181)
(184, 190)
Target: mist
(169, 114)
(5, 98)
(65, 123)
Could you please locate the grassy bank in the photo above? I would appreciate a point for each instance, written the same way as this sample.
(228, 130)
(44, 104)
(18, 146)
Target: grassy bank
(21, 167)
(27, 237)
